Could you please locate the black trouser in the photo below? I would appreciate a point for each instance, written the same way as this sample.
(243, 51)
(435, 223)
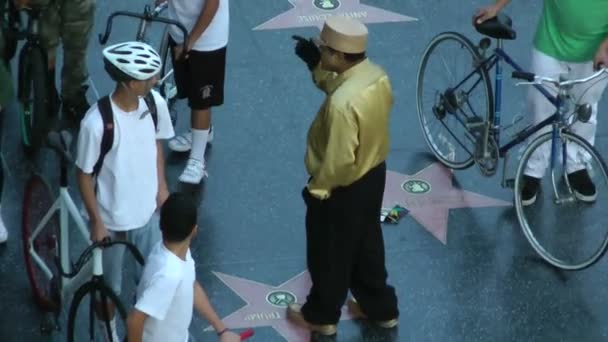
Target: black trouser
(345, 250)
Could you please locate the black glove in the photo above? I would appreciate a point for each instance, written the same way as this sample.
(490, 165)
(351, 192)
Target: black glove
(308, 51)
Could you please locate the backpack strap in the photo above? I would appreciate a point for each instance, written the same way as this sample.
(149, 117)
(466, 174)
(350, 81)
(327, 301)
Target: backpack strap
(149, 99)
(107, 139)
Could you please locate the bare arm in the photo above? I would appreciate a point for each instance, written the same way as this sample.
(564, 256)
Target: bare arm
(163, 189)
(86, 183)
(489, 12)
(209, 10)
(135, 325)
(204, 308)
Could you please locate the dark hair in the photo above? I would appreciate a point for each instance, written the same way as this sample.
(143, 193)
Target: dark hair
(177, 217)
(116, 74)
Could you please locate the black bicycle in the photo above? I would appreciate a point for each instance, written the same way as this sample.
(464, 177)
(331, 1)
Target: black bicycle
(166, 84)
(34, 91)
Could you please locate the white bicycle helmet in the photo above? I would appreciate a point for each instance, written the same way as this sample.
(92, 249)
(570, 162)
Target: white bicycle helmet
(136, 59)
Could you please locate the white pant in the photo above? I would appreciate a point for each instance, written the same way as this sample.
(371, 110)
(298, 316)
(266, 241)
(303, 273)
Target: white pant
(541, 108)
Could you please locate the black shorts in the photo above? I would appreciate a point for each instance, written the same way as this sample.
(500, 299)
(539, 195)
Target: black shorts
(200, 77)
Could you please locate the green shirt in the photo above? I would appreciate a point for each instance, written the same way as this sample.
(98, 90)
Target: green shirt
(572, 30)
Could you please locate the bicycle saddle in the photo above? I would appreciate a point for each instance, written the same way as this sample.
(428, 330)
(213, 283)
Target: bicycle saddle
(499, 27)
(60, 142)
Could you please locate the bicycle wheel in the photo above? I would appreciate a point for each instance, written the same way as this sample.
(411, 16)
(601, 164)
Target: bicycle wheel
(41, 243)
(168, 88)
(33, 95)
(445, 98)
(81, 330)
(566, 232)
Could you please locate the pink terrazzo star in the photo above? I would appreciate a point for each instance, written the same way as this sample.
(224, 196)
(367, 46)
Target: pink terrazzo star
(313, 13)
(267, 305)
(429, 195)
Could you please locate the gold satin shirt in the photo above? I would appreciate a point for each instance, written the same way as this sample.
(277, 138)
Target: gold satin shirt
(350, 134)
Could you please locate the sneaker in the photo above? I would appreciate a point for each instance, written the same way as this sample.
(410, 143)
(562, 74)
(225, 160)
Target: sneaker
(183, 143)
(356, 311)
(528, 193)
(104, 332)
(294, 314)
(194, 172)
(583, 187)
(3, 231)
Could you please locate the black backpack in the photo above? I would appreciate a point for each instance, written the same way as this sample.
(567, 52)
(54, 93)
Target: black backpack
(107, 115)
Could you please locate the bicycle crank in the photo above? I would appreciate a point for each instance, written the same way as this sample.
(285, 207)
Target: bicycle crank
(487, 161)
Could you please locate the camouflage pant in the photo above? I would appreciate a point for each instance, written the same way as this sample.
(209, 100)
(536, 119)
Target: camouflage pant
(6, 81)
(69, 22)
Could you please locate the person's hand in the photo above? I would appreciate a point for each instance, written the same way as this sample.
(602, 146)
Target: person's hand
(601, 56)
(229, 336)
(178, 49)
(98, 231)
(485, 13)
(308, 51)
(159, 2)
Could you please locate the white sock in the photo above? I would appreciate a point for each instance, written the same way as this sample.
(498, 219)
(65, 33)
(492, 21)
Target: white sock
(199, 143)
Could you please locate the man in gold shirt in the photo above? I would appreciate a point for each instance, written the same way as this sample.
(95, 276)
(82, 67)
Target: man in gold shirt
(348, 143)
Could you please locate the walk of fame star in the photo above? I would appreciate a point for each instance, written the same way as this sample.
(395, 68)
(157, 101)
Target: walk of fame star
(267, 305)
(313, 13)
(429, 195)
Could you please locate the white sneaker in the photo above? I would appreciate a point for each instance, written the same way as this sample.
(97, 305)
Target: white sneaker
(104, 333)
(3, 231)
(183, 143)
(194, 172)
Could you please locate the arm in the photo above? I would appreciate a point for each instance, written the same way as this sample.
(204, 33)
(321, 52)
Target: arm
(323, 78)
(163, 189)
(339, 162)
(601, 56)
(209, 10)
(489, 12)
(135, 325)
(204, 308)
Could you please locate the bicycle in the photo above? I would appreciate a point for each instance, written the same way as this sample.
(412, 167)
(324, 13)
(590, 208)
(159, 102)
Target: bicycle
(33, 88)
(166, 85)
(46, 246)
(478, 139)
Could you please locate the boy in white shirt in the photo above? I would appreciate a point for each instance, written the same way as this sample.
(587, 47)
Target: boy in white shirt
(199, 74)
(122, 190)
(168, 290)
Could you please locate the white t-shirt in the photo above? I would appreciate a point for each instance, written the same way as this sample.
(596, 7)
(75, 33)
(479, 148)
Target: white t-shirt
(127, 183)
(187, 12)
(166, 294)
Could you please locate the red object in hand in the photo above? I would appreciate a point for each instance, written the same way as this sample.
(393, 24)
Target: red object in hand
(246, 334)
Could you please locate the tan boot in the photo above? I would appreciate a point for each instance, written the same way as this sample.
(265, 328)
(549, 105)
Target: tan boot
(294, 314)
(355, 310)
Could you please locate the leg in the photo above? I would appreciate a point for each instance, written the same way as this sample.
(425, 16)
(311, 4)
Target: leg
(207, 91)
(77, 18)
(112, 270)
(144, 238)
(541, 108)
(368, 284)
(50, 32)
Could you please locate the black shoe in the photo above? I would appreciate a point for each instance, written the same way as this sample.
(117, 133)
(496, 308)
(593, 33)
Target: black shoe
(75, 107)
(529, 191)
(583, 187)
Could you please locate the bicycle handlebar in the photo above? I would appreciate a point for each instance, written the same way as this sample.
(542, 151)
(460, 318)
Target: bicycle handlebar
(532, 79)
(148, 16)
(86, 255)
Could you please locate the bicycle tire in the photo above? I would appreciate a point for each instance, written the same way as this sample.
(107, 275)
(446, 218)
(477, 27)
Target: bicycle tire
(489, 115)
(530, 236)
(168, 90)
(38, 196)
(91, 288)
(33, 82)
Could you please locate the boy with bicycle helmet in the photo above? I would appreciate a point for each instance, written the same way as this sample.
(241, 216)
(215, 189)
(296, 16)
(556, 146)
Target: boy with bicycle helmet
(571, 38)
(123, 190)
